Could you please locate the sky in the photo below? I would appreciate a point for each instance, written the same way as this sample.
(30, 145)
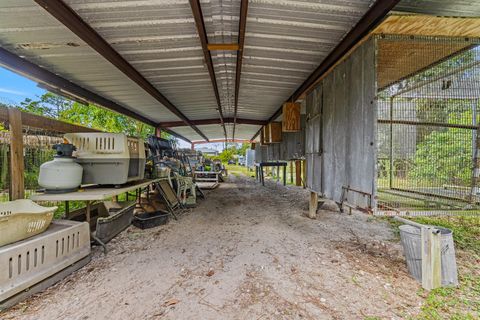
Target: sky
(15, 88)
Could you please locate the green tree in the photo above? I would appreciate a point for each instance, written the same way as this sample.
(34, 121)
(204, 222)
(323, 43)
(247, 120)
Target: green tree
(242, 151)
(57, 107)
(445, 156)
(227, 154)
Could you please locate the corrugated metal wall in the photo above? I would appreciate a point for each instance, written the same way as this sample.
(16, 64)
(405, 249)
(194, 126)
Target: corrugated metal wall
(292, 147)
(340, 129)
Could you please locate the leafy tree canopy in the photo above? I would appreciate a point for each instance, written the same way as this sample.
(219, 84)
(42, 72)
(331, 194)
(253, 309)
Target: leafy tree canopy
(57, 107)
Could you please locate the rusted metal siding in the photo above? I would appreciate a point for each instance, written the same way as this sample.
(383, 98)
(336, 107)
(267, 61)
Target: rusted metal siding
(345, 100)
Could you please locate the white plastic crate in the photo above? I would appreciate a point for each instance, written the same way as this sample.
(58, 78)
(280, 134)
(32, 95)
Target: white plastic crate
(108, 158)
(21, 219)
(91, 145)
(28, 262)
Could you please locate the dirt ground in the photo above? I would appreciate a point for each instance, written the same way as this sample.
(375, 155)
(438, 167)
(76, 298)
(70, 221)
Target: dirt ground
(247, 252)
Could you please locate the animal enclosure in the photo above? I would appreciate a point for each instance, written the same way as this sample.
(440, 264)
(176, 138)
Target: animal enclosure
(427, 131)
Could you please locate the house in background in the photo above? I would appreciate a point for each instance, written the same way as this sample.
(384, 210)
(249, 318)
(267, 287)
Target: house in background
(208, 151)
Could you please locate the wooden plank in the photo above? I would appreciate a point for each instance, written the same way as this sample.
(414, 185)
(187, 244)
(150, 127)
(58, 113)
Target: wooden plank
(431, 259)
(223, 46)
(266, 134)
(41, 122)
(17, 187)
(426, 25)
(291, 117)
(275, 129)
(298, 172)
(397, 59)
(313, 205)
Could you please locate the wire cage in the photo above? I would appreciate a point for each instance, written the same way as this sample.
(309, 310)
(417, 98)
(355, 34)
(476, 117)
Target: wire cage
(428, 160)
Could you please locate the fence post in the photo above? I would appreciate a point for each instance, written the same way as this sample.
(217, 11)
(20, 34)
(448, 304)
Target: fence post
(313, 205)
(298, 172)
(304, 173)
(17, 187)
(431, 258)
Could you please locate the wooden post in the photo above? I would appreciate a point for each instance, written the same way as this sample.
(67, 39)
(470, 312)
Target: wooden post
(312, 212)
(431, 259)
(158, 132)
(304, 173)
(291, 172)
(17, 187)
(298, 172)
(275, 130)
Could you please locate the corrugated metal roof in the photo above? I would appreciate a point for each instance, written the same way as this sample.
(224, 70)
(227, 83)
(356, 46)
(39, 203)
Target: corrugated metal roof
(285, 41)
(455, 8)
(29, 31)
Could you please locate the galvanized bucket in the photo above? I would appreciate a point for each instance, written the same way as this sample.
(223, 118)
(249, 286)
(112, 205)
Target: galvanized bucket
(412, 247)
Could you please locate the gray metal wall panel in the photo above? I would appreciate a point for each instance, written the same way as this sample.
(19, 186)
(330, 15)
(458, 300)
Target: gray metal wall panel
(261, 153)
(293, 143)
(328, 161)
(347, 125)
(340, 130)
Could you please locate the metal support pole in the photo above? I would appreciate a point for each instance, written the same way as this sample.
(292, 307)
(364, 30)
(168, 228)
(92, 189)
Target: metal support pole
(390, 184)
(475, 169)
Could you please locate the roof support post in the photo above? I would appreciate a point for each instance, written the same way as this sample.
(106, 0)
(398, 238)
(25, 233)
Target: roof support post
(238, 69)
(17, 187)
(202, 33)
(69, 18)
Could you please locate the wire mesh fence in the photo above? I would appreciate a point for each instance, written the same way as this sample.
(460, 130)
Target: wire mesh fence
(37, 150)
(428, 118)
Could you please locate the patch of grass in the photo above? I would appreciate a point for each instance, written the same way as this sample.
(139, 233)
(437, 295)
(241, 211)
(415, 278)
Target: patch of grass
(237, 170)
(466, 230)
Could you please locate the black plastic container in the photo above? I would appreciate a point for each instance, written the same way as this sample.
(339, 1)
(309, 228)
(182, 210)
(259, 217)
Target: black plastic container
(150, 219)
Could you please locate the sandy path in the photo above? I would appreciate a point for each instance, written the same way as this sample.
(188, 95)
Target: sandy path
(247, 252)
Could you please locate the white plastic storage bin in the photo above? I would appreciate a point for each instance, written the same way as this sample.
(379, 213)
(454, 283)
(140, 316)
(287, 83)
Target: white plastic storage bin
(106, 158)
(21, 219)
(25, 263)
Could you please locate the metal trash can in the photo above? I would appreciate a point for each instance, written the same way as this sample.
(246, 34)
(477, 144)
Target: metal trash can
(412, 246)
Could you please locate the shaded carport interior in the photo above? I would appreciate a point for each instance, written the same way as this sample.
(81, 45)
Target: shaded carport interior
(149, 62)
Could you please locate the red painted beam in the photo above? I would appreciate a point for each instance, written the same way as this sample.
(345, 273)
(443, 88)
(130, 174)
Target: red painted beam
(221, 140)
(202, 33)
(238, 70)
(69, 18)
(172, 124)
(69, 89)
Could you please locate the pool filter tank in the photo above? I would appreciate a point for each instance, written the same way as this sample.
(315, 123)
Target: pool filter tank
(62, 174)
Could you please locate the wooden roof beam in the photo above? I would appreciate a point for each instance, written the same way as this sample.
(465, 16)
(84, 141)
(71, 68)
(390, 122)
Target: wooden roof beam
(38, 74)
(238, 69)
(202, 33)
(69, 18)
